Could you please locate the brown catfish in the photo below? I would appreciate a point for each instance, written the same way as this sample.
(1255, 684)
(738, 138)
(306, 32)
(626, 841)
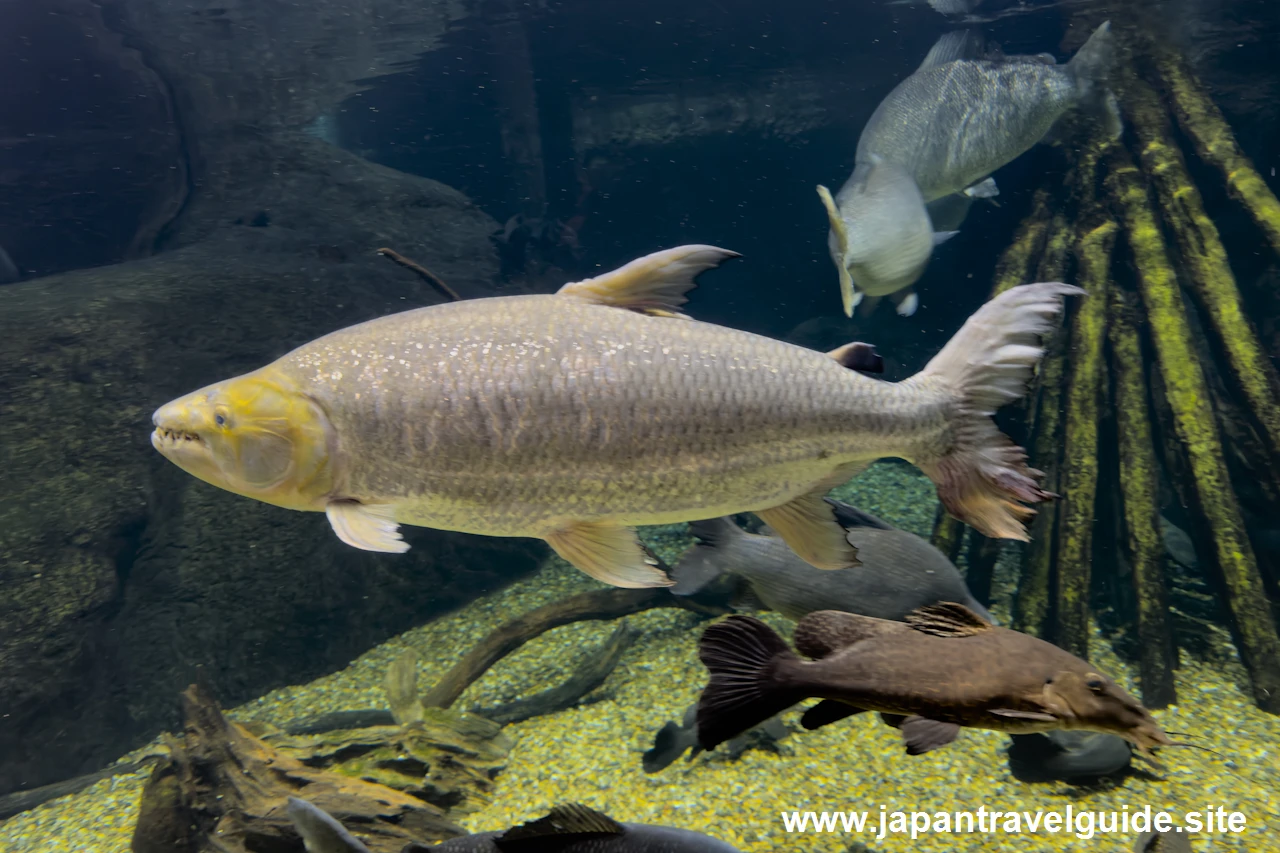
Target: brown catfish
(945, 667)
(573, 417)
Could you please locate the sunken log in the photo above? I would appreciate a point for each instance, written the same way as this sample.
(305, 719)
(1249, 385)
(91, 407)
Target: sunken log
(597, 665)
(222, 790)
(1139, 484)
(948, 533)
(1084, 393)
(597, 605)
(1188, 398)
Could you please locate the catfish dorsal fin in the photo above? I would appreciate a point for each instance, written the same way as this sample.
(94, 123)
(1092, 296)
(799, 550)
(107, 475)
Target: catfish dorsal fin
(824, 632)
(947, 619)
(562, 826)
(850, 516)
(656, 284)
(858, 356)
(715, 532)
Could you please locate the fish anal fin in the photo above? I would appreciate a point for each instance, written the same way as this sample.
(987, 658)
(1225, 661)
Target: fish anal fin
(947, 619)
(610, 554)
(826, 712)
(369, 527)
(808, 524)
(841, 233)
(564, 825)
(921, 734)
(656, 284)
(858, 356)
(823, 632)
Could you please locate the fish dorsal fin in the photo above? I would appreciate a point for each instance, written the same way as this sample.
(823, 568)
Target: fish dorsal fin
(959, 44)
(656, 284)
(858, 356)
(564, 825)
(947, 619)
(850, 516)
(824, 632)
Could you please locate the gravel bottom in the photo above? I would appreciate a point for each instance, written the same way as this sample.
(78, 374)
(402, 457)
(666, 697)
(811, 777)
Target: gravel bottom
(591, 754)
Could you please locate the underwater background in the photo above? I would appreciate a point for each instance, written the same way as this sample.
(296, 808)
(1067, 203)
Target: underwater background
(191, 189)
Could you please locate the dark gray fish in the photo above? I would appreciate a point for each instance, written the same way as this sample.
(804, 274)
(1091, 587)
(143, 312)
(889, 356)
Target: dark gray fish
(1169, 841)
(1067, 756)
(899, 571)
(574, 828)
(955, 121)
(320, 832)
(675, 739)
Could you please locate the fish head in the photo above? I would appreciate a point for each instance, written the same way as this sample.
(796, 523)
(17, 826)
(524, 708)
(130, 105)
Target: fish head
(1090, 700)
(256, 435)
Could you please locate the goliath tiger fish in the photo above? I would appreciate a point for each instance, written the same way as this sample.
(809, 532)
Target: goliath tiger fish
(574, 416)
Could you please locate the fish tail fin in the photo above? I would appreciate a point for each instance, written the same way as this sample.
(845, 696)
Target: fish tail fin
(983, 479)
(1092, 68)
(705, 561)
(749, 683)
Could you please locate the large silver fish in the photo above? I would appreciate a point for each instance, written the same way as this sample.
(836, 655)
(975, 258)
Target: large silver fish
(574, 416)
(953, 122)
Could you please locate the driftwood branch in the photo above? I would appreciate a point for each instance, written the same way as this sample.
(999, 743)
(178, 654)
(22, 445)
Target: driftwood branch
(597, 605)
(425, 274)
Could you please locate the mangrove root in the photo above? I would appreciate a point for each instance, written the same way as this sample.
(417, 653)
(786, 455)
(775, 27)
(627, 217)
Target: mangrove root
(1080, 454)
(1139, 484)
(1188, 398)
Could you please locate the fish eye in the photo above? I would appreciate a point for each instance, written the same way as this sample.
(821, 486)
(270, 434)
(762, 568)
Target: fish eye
(1095, 682)
(221, 419)
(1049, 680)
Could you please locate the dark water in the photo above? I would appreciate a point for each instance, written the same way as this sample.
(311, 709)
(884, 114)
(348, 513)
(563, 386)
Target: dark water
(188, 190)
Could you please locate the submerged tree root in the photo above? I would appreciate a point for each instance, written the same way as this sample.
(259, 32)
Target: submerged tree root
(1084, 395)
(1138, 485)
(1202, 121)
(1188, 397)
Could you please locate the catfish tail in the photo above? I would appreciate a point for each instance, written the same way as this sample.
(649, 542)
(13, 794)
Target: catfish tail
(983, 479)
(748, 663)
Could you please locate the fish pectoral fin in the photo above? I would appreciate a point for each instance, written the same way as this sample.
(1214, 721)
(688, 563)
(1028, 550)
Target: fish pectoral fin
(823, 632)
(841, 234)
(656, 284)
(610, 554)
(826, 712)
(808, 525)
(921, 734)
(907, 305)
(369, 527)
(947, 619)
(858, 356)
(562, 826)
(1024, 715)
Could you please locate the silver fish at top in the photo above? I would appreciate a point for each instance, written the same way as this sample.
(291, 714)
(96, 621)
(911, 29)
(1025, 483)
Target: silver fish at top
(573, 416)
(965, 112)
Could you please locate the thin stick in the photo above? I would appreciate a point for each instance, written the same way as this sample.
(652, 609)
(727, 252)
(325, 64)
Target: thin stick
(425, 274)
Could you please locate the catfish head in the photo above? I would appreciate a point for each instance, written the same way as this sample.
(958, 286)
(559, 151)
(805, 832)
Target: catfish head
(1090, 700)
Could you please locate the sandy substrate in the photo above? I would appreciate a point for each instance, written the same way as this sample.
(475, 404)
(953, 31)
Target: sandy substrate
(591, 754)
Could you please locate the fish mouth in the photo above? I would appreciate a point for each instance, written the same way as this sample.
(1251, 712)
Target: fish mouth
(168, 437)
